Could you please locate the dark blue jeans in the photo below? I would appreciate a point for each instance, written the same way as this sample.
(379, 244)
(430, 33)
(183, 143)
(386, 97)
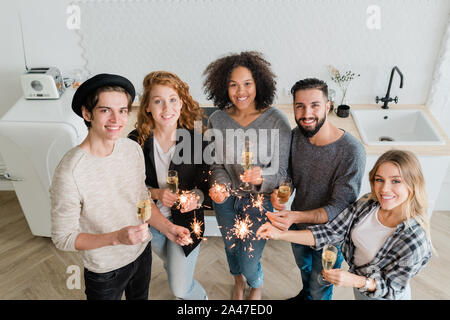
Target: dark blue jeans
(134, 279)
(309, 261)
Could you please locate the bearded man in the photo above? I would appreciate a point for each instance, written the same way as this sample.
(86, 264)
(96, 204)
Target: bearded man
(326, 166)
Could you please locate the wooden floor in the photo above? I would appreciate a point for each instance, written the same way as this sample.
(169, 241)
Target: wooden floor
(32, 268)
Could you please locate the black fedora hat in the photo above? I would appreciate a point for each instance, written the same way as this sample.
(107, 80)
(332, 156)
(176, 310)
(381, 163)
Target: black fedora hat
(98, 81)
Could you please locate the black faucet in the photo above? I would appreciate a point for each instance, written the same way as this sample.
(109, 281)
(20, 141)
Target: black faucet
(387, 98)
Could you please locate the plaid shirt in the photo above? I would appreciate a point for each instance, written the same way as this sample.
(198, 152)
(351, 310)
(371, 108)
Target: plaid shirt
(402, 256)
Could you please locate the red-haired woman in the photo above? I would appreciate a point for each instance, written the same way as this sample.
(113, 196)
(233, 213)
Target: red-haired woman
(168, 113)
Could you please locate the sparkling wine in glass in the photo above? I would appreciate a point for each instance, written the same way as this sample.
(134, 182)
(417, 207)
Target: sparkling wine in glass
(284, 190)
(247, 163)
(172, 181)
(329, 256)
(247, 160)
(144, 210)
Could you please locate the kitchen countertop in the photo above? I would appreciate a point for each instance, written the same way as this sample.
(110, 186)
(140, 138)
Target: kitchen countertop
(349, 125)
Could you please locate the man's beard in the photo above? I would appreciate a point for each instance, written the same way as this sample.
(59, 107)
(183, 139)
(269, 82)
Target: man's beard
(310, 133)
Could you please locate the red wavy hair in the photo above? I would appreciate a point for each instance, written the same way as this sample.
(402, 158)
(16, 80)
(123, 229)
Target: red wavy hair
(190, 111)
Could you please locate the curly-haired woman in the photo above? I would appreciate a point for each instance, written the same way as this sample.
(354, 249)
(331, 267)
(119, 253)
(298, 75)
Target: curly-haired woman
(243, 87)
(166, 129)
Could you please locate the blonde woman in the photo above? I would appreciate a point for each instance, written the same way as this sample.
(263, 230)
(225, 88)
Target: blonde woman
(385, 234)
(167, 112)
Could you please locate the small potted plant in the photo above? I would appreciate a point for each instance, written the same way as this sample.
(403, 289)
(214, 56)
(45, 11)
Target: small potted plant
(342, 80)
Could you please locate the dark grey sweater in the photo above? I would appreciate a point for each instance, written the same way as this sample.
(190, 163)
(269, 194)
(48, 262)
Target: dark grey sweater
(273, 136)
(328, 176)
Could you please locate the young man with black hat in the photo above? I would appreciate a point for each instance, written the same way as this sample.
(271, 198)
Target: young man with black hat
(95, 192)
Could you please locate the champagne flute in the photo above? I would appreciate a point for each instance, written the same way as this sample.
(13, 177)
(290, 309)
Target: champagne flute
(172, 184)
(329, 256)
(247, 163)
(284, 190)
(172, 181)
(144, 210)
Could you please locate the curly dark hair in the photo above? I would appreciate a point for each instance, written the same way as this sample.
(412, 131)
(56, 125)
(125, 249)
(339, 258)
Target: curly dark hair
(218, 76)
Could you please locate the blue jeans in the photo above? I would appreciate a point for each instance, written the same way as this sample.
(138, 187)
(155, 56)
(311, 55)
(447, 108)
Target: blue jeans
(243, 255)
(309, 262)
(180, 269)
(134, 279)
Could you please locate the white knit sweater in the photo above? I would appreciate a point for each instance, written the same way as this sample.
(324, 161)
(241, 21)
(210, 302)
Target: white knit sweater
(98, 195)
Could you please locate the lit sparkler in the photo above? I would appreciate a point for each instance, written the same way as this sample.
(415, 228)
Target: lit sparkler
(219, 188)
(241, 228)
(258, 202)
(185, 198)
(196, 227)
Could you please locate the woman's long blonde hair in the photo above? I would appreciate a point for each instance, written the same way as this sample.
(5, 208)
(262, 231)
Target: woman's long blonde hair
(415, 206)
(190, 110)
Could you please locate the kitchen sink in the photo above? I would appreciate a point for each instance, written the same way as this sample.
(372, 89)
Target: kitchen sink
(396, 127)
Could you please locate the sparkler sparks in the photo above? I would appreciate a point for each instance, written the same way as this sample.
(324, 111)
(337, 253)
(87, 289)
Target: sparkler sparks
(242, 227)
(241, 234)
(219, 188)
(196, 227)
(185, 199)
(258, 203)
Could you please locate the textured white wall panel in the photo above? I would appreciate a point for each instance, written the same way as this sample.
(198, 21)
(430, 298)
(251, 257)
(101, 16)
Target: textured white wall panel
(439, 104)
(299, 37)
(439, 97)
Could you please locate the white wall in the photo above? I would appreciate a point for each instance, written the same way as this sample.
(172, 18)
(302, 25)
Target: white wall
(48, 43)
(439, 104)
(11, 62)
(299, 37)
(11, 66)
